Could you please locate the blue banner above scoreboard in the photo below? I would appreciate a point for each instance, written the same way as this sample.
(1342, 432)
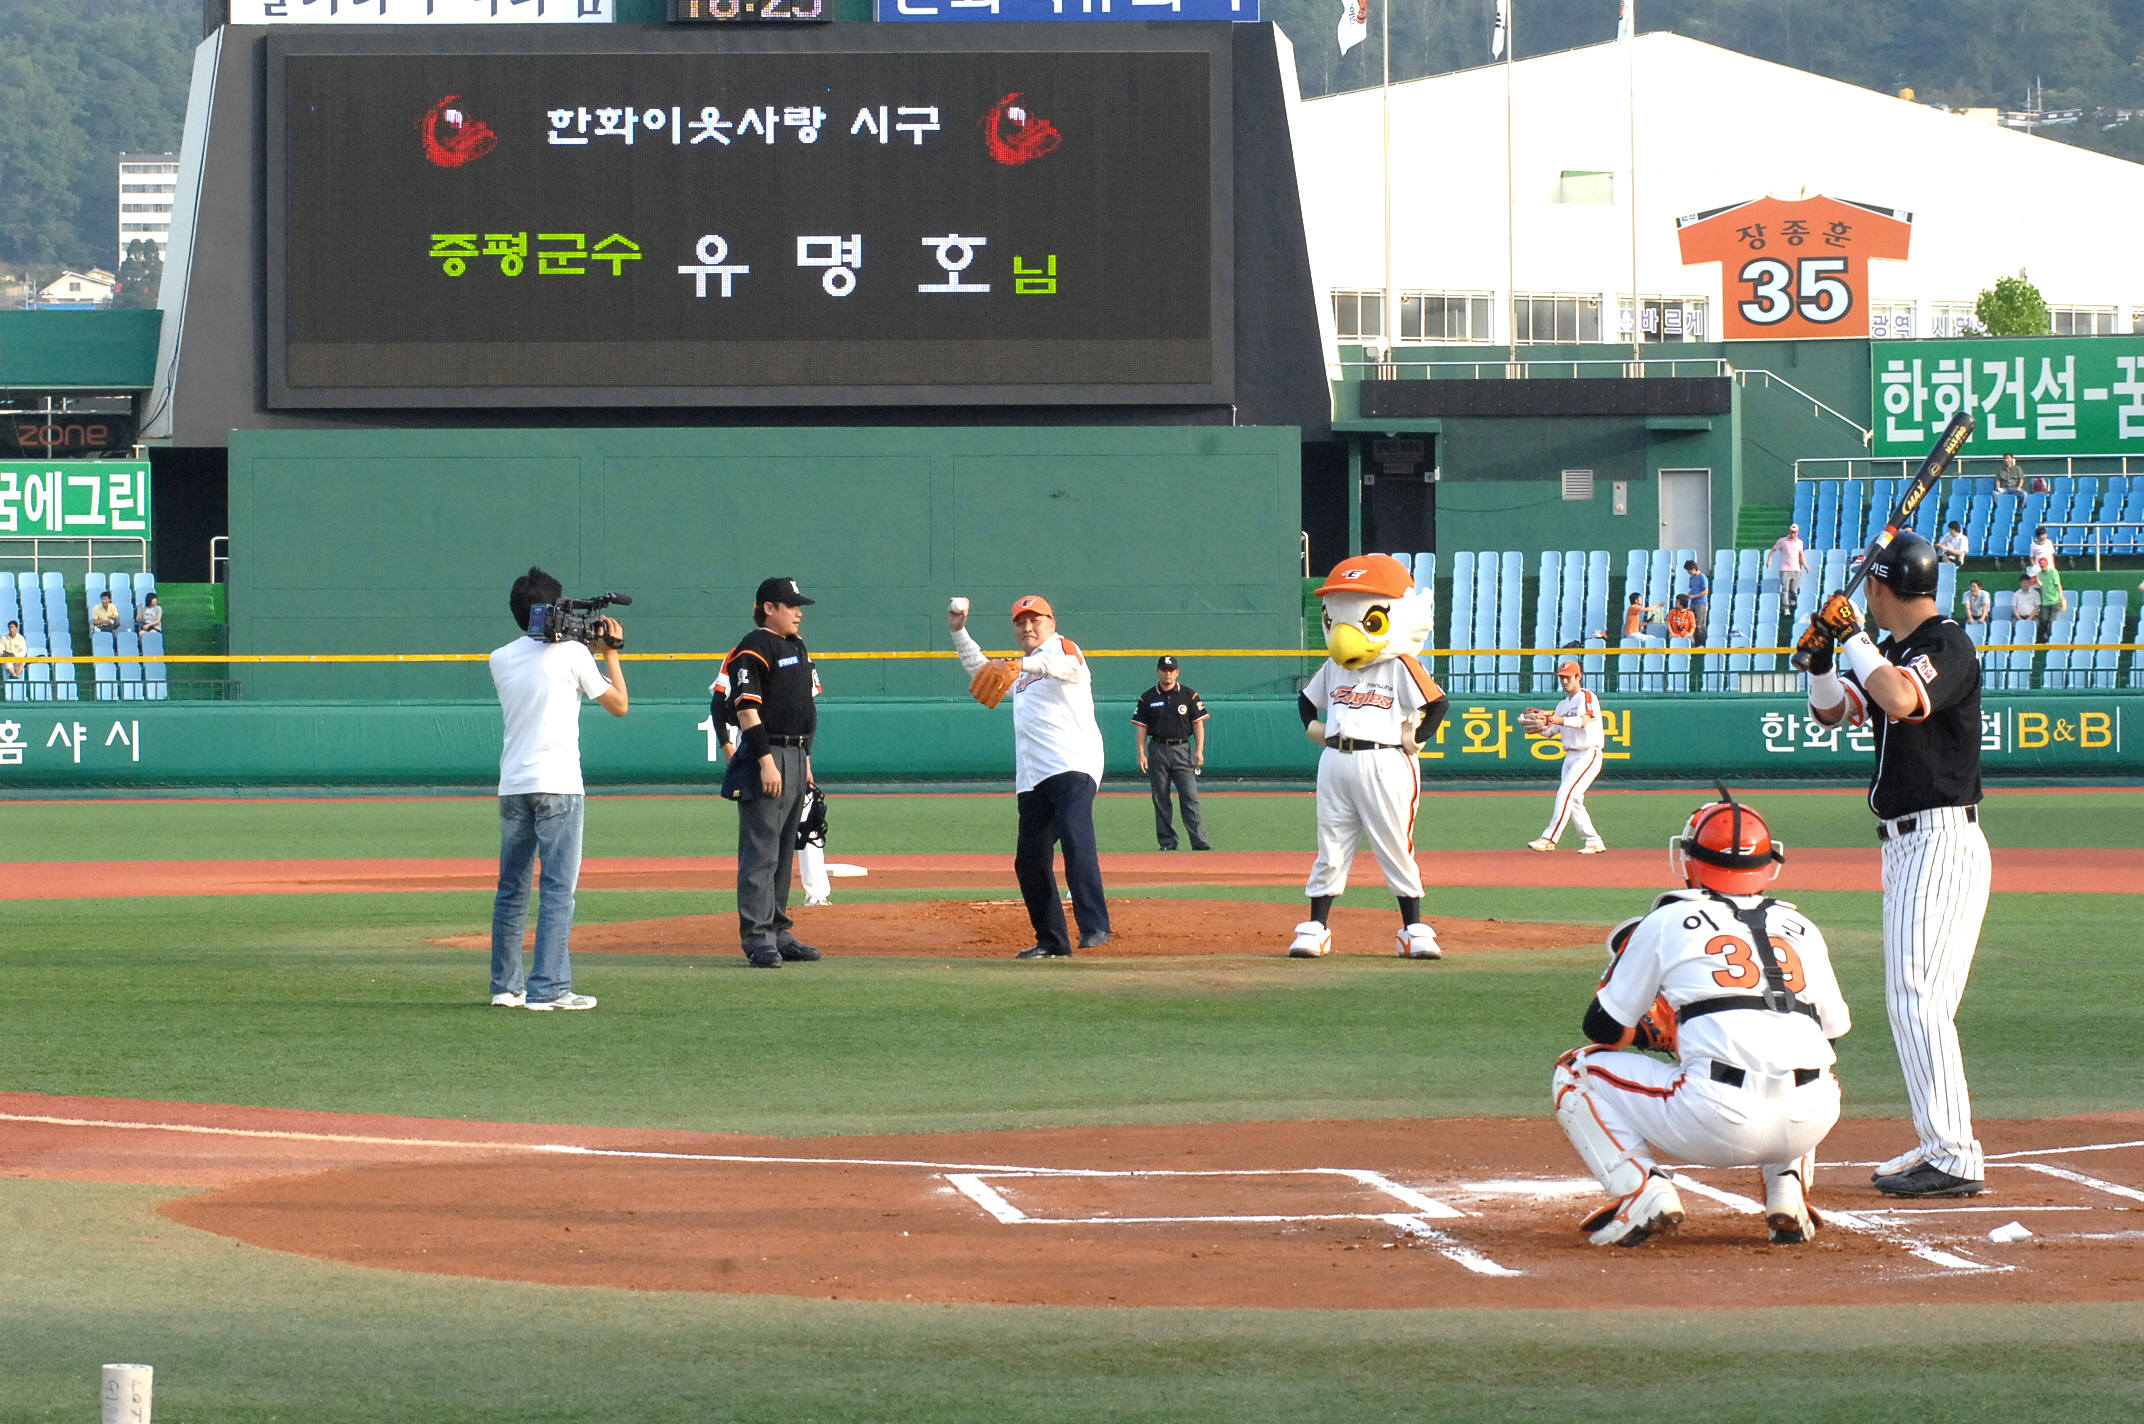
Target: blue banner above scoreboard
(910, 12)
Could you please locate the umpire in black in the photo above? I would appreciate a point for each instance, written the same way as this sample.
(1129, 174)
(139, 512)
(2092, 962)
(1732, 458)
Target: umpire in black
(771, 683)
(1169, 726)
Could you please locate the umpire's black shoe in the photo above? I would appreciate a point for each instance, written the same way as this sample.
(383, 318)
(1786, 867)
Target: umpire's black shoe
(1201, 845)
(1043, 951)
(1168, 845)
(766, 959)
(1924, 1179)
(797, 949)
(1095, 940)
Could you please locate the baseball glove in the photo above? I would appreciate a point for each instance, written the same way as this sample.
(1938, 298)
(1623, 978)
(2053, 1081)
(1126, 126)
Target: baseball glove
(1534, 722)
(993, 680)
(1657, 1029)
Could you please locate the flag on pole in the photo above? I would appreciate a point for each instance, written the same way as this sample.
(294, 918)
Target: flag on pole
(1626, 21)
(1354, 23)
(1503, 28)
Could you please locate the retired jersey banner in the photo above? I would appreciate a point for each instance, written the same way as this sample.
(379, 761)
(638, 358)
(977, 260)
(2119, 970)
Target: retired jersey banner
(2030, 396)
(1794, 270)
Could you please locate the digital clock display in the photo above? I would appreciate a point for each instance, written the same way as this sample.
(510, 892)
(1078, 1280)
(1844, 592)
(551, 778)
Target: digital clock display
(842, 215)
(715, 12)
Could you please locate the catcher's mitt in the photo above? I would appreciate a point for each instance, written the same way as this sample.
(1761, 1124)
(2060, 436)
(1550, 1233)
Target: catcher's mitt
(1657, 1029)
(811, 826)
(993, 680)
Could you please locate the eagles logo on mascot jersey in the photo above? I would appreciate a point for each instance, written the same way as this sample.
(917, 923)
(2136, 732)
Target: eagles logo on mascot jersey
(1371, 706)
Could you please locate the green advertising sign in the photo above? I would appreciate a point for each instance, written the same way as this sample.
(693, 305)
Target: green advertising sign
(2031, 396)
(74, 499)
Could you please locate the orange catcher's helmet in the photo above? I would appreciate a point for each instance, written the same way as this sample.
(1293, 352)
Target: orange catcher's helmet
(1726, 846)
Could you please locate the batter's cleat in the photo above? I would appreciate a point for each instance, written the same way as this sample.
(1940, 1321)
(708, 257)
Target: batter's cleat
(563, 1001)
(796, 950)
(1593, 847)
(509, 1001)
(1646, 1212)
(1095, 940)
(1043, 951)
(1419, 941)
(1899, 1164)
(1786, 1210)
(1312, 941)
(1541, 843)
(1928, 1180)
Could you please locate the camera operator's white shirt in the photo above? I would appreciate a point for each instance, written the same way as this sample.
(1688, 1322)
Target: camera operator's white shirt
(540, 690)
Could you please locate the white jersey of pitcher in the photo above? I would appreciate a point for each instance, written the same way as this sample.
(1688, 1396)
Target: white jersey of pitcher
(1578, 721)
(1053, 724)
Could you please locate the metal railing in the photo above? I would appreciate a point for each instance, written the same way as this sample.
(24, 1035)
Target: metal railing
(50, 550)
(1771, 377)
(1968, 466)
(2099, 543)
(219, 558)
(1565, 368)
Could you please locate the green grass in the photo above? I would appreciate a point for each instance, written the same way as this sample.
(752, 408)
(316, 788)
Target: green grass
(908, 825)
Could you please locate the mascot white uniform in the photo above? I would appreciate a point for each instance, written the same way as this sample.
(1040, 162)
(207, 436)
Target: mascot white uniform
(1371, 706)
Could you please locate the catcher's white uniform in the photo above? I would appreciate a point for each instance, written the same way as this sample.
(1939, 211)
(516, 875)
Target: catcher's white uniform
(1577, 720)
(1752, 1085)
(1368, 793)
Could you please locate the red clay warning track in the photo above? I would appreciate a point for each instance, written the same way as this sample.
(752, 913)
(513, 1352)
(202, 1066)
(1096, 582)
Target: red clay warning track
(1318, 1215)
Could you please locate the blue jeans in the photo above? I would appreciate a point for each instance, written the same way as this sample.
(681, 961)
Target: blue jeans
(532, 827)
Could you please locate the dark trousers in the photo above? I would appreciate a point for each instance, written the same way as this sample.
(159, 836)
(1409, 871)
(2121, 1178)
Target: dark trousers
(766, 846)
(1169, 764)
(1060, 811)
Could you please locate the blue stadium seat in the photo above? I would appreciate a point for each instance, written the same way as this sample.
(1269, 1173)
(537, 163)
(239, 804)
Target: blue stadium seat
(1805, 507)
(128, 644)
(1509, 628)
(1548, 602)
(101, 646)
(1946, 588)
(1461, 634)
(54, 581)
(93, 583)
(1820, 529)
(156, 683)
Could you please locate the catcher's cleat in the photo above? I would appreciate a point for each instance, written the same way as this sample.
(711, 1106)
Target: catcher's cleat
(1312, 941)
(1928, 1180)
(1419, 941)
(1593, 847)
(1786, 1210)
(1646, 1212)
(1542, 843)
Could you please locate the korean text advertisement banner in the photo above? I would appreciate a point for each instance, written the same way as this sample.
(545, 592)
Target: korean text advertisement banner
(1063, 11)
(75, 499)
(420, 12)
(2030, 396)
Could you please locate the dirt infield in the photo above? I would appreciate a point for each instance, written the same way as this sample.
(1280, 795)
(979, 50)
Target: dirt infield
(1839, 868)
(991, 929)
(1319, 1215)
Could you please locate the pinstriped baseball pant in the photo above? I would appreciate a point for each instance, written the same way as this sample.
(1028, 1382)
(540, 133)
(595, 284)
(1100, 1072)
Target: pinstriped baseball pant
(1935, 894)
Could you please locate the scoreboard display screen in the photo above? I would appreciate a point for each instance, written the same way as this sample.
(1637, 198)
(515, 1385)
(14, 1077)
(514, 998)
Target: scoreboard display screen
(843, 215)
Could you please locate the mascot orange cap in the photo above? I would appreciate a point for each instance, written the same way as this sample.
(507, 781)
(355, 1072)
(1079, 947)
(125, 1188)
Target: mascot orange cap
(1380, 574)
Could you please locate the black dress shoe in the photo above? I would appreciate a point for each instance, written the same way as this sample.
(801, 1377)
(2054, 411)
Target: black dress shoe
(1095, 940)
(1200, 845)
(1168, 845)
(1925, 1179)
(797, 949)
(1043, 951)
(766, 959)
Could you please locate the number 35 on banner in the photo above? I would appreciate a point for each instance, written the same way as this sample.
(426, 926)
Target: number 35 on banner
(1795, 269)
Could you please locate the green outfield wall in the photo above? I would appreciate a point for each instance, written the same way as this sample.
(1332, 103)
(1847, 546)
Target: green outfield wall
(162, 744)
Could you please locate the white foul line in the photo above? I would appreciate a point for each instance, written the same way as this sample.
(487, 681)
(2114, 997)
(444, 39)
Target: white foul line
(1446, 1247)
(1851, 1221)
(2111, 1188)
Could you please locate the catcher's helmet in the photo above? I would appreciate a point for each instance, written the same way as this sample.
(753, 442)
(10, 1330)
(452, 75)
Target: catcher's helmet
(1908, 566)
(1726, 846)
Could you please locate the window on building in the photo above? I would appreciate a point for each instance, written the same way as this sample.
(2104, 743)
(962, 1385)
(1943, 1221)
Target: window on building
(1952, 319)
(1542, 318)
(1444, 316)
(1891, 321)
(2082, 321)
(1359, 316)
(1663, 318)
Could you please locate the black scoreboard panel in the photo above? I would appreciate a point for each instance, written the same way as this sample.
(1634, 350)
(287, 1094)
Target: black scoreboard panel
(808, 217)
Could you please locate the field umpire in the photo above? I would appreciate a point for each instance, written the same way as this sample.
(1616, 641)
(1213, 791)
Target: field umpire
(1920, 690)
(1169, 730)
(770, 699)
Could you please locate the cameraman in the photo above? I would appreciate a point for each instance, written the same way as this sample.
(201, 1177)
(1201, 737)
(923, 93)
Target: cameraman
(540, 795)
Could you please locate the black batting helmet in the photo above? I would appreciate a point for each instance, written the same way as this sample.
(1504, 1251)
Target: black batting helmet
(1907, 567)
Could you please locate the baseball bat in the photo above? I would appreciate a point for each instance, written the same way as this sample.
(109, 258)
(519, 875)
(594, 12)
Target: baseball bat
(1924, 479)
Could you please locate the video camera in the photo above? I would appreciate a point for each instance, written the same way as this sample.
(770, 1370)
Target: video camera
(573, 620)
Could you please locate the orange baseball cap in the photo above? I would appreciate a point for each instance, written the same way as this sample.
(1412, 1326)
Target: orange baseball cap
(1380, 574)
(1033, 603)
(1569, 668)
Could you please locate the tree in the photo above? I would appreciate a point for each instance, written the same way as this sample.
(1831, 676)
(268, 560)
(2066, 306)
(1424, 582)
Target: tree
(140, 275)
(2012, 307)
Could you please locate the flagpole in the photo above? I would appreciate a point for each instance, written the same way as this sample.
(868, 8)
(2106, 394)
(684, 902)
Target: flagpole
(1384, 43)
(1630, 83)
(1511, 241)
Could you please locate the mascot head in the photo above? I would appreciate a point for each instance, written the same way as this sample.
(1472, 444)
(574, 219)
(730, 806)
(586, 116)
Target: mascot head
(1372, 612)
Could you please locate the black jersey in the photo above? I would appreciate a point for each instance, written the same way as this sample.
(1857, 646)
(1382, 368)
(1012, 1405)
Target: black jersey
(773, 675)
(1931, 758)
(1170, 715)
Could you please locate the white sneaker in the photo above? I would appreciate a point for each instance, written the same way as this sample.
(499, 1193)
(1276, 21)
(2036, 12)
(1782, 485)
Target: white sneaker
(563, 1001)
(1419, 941)
(1542, 843)
(1786, 1210)
(508, 1001)
(1646, 1212)
(1312, 941)
(1593, 847)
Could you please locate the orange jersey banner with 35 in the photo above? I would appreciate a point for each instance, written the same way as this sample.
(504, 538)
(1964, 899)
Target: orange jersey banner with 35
(1794, 268)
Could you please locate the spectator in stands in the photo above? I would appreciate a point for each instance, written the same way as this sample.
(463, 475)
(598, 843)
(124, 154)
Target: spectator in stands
(149, 618)
(1682, 622)
(1637, 615)
(2009, 479)
(2043, 551)
(1787, 554)
(2026, 604)
(1700, 598)
(104, 618)
(1978, 605)
(14, 646)
(1954, 546)
(2052, 599)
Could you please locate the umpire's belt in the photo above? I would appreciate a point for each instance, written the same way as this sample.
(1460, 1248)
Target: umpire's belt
(1349, 744)
(1929, 820)
(789, 741)
(1172, 741)
(1735, 1077)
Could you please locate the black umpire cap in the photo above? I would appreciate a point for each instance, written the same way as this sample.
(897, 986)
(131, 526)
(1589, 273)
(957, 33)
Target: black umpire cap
(781, 590)
(1165, 663)
(1908, 566)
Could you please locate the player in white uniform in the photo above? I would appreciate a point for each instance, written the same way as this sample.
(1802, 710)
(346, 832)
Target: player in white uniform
(1577, 719)
(1057, 767)
(1740, 988)
(1370, 706)
(811, 845)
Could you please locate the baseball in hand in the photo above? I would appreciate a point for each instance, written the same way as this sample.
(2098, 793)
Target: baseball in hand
(958, 605)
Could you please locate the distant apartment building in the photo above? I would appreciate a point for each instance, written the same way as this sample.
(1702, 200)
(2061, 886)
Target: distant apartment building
(146, 181)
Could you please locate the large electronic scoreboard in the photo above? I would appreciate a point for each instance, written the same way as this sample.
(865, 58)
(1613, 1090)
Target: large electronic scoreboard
(846, 215)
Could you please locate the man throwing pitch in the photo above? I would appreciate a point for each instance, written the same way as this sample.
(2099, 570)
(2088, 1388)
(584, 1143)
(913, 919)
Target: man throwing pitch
(1921, 691)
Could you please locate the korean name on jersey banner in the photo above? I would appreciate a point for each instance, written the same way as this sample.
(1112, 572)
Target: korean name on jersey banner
(910, 12)
(2036, 396)
(1796, 269)
(75, 498)
(420, 12)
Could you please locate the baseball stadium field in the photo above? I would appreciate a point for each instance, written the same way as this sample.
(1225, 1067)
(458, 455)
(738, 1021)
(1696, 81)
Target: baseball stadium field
(260, 1129)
